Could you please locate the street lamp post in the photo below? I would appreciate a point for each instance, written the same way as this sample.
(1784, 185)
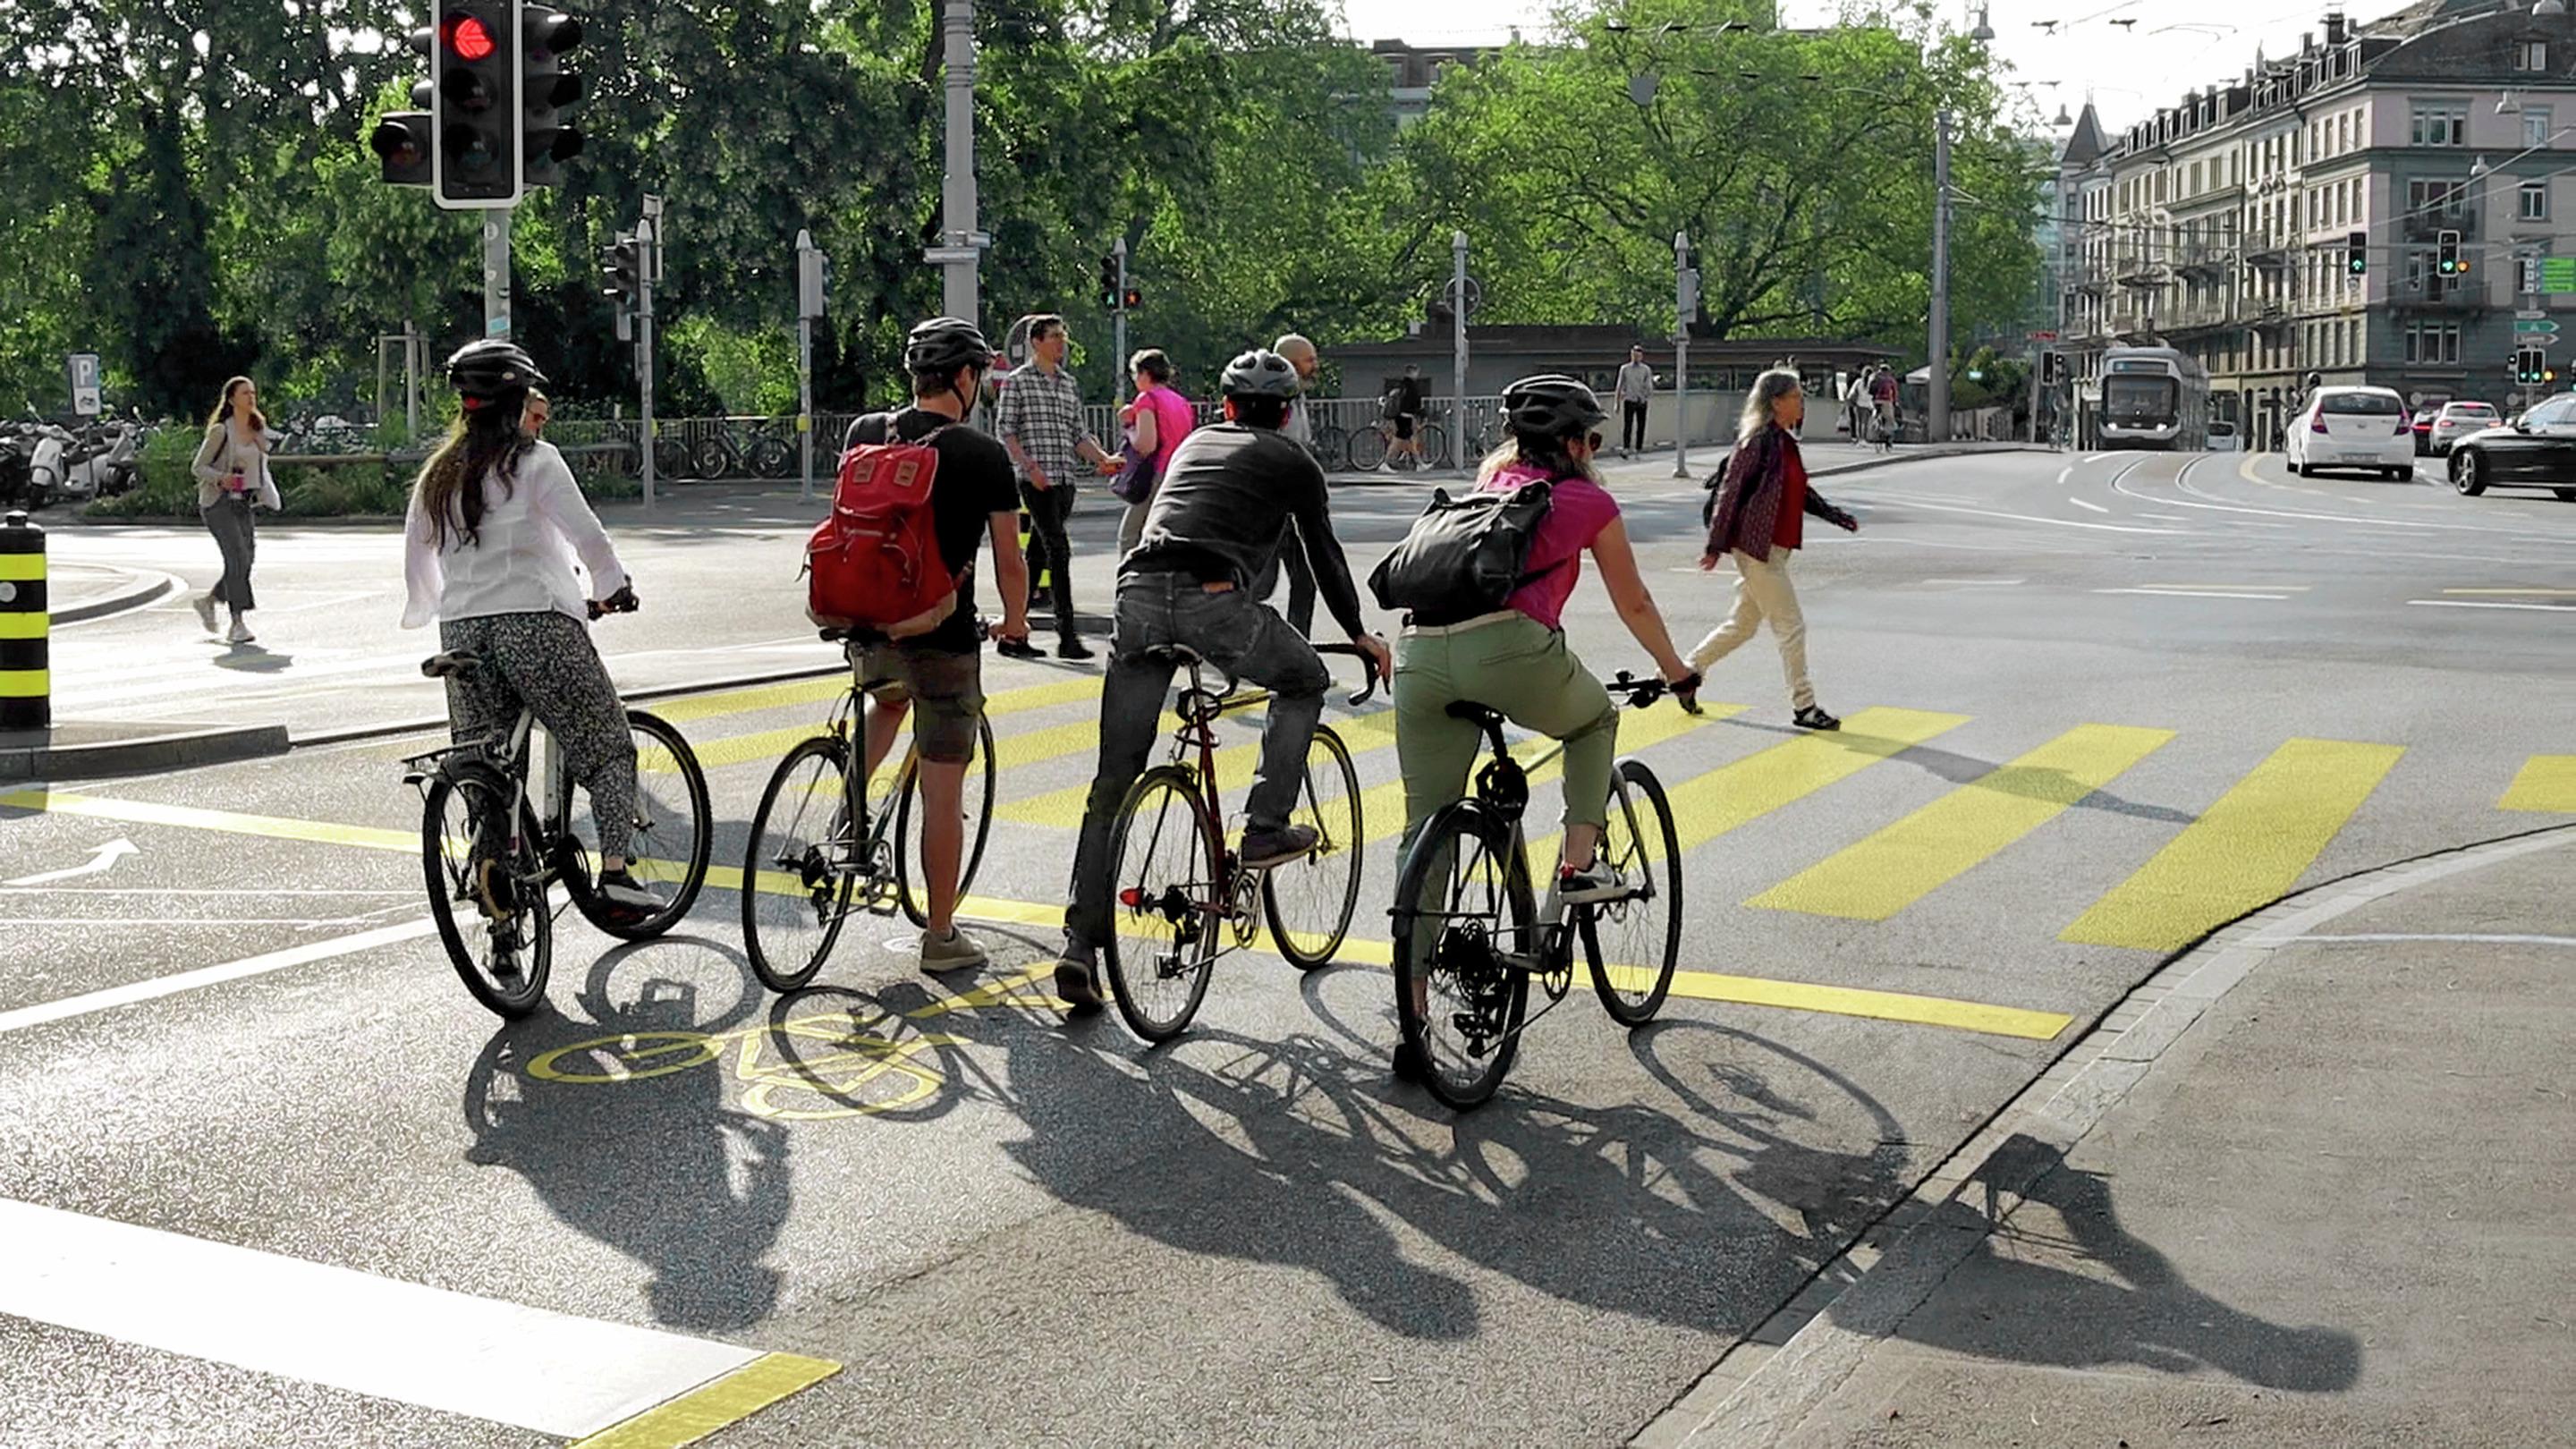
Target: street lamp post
(1684, 303)
(961, 248)
(1458, 347)
(1936, 406)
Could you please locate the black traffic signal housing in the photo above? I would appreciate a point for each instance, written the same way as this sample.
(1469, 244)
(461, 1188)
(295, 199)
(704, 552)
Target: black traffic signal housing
(2356, 253)
(405, 140)
(546, 89)
(474, 62)
(2052, 369)
(2447, 253)
(1131, 299)
(1109, 281)
(2530, 365)
(621, 271)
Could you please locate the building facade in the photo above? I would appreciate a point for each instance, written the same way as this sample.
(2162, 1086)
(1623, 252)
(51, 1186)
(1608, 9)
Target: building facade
(2226, 225)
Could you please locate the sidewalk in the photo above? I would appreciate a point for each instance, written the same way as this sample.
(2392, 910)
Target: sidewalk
(2329, 1206)
(1824, 459)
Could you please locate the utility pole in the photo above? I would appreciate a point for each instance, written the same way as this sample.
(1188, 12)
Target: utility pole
(1936, 407)
(1685, 302)
(649, 232)
(412, 343)
(1458, 348)
(496, 271)
(809, 305)
(961, 249)
(1118, 320)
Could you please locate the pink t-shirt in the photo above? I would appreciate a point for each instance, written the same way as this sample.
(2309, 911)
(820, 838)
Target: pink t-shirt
(1173, 419)
(1576, 516)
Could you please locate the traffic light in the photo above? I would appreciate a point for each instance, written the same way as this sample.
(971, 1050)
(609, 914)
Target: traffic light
(1109, 281)
(1131, 299)
(545, 89)
(2052, 369)
(2447, 253)
(2356, 253)
(474, 66)
(621, 271)
(403, 140)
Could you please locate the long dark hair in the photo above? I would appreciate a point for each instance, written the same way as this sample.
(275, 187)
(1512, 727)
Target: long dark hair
(449, 490)
(224, 410)
(1552, 456)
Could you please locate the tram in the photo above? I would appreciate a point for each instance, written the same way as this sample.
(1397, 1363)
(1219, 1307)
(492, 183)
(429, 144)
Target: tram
(2154, 397)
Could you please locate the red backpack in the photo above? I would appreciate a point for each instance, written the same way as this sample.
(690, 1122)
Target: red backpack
(874, 563)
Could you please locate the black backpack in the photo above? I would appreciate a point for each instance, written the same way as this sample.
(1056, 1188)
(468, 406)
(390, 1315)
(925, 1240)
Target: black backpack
(1463, 557)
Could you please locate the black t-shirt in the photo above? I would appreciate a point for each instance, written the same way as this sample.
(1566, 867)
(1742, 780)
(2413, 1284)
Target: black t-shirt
(974, 482)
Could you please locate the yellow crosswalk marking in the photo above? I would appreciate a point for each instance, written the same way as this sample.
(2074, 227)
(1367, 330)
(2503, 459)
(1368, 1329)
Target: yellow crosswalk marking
(2248, 848)
(1901, 864)
(2547, 784)
(1637, 731)
(1234, 769)
(772, 744)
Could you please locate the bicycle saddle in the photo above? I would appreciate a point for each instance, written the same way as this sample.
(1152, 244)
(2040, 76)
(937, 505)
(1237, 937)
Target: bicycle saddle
(453, 661)
(1176, 654)
(1481, 716)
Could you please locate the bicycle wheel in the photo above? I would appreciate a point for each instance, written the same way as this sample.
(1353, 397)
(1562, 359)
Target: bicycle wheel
(1309, 900)
(504, 946)
(1332, 449)
(1633, 944)
(802, 866)
(1435, 446)
(912, 872)
(712, 457)
(673, 831)
(772, 457)
(1462, 901)
(1368, 449)
(1164, 864)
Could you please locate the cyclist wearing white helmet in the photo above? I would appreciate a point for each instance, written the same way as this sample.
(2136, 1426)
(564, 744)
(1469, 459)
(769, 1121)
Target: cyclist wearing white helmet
(488, 542)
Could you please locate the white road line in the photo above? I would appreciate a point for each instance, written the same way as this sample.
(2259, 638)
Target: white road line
(2086, 503)
(2466, 936)
(2165, 517)
(1979, 583)
(547, 1372)
(2098, 457)
(2192, 593)
(2033, 518)
(160, 986)
(2491, 604)
(2065, 473)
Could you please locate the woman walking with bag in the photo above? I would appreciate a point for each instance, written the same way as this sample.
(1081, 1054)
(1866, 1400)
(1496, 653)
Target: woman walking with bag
(1756, 522)
(1160, 417)
(232, 476)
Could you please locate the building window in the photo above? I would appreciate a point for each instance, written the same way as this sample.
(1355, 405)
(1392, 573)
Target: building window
(2534, 198)
(2532, 55)
(2440, 123)
(2449, 198)
(2433, 343)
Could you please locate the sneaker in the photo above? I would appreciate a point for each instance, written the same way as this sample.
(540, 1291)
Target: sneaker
(1264, 848)
(1077, 979)
(1812, 718)
(1412, 1064)
(1072, 647)
(955, 951)
(1581, 888)
(619, 888)
(1017, 649)
(240, 633)
(205, 605)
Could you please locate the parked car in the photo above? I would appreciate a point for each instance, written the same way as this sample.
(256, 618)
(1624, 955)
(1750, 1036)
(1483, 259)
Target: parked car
(2423, 427)
(2459, 419)
(2222, 437)
(2352, 427)
(2535, 450)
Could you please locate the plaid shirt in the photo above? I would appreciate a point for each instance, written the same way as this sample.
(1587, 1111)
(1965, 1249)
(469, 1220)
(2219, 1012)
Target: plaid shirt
(1045, 414)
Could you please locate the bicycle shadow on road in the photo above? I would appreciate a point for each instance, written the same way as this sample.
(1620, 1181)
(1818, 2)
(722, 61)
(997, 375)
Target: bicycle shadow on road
(692, 1189)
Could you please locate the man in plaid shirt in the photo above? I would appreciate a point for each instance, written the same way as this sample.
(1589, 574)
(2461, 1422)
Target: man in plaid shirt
(1039, 417)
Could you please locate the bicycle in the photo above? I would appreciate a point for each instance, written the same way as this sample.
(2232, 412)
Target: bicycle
(1181, 889)
(1466, 942)
(484, 845)
(817, 856)
(770, 450)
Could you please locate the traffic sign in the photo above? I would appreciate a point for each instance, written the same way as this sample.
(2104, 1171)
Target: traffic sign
(2043, 336)
(2530, 316)
(2558, 274)
(84, 371)
(2523, 327)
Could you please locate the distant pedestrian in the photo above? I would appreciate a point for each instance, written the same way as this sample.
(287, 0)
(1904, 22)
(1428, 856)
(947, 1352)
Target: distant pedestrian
(232, 478)
(1882, 401)
(1291, 558)
(1039, 418)
(1856, 405)
(1158, 419)
(532, 418)
(1405, 403)
(1636, 389)
(1756, 524)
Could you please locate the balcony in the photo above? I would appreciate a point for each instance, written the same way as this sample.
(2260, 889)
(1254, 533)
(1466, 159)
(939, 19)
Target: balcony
(2143, 272)
(2208, 259)
(2438, 294)
(2424, 226)
(2263, 249)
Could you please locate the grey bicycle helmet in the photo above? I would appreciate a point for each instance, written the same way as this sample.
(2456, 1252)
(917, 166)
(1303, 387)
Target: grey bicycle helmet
(1257, 374)
(491, 368)
(945, 344)
(1550, 406)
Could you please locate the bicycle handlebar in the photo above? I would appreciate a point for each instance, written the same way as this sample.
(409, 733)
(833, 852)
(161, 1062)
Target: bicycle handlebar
(1643, 692)
(621, 602)
(1367, 662)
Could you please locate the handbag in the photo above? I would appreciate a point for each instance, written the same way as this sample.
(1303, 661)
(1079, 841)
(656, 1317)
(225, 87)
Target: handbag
(1464, 556)
(1134, 482)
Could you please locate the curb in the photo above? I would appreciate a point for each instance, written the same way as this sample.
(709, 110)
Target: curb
(150, 587)
(1898, 1262)
(180, 749)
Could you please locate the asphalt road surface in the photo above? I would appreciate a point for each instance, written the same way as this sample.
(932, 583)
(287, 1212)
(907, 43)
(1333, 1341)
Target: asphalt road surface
(273, 1179)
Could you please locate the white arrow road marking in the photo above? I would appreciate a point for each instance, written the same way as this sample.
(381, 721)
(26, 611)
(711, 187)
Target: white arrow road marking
(101, 860)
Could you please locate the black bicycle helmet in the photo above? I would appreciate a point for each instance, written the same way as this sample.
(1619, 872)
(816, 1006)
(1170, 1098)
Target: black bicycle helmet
(1258, 373)
(1550, 406)
(492, 368)
(945, 344)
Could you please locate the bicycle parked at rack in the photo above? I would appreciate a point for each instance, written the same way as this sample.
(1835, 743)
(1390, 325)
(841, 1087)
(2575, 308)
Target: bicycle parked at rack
(485, 846)
(822, 849)
(1467, 941)
(1181, 890)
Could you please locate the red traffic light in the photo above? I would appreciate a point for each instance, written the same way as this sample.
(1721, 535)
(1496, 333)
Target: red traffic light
(1132, 300)
(469, 37)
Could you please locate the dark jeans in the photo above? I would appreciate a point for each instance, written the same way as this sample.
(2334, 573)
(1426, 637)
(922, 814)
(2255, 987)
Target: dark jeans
(1048, 549)
(1239, 638)
(228, 519)
(1301, 582)
(1632, 425)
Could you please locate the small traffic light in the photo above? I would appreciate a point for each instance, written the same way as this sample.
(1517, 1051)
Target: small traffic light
(404, 140)
(2447, 253)
(2356, 253)
(2052, 368)
(1109, 281)
(474, 66)
(621, 271)
(1131, 299)
(546, 88)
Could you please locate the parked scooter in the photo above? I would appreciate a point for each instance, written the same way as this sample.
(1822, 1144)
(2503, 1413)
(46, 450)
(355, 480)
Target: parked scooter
(100, 463)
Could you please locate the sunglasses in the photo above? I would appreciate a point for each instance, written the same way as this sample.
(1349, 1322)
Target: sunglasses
(1595, 441)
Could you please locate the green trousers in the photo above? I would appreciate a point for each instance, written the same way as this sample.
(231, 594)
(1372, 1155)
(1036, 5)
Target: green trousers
(1521, 668)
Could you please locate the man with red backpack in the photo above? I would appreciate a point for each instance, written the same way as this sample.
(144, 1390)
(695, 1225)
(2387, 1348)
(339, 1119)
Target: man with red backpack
(911, 588)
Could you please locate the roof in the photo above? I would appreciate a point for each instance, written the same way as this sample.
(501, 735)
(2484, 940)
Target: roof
(2084, 144)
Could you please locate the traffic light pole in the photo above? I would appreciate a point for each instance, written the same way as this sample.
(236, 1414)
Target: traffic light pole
(496, 271)
(650, 231)
(961, 250)
(1681, 354)
(1936, 401)
(1118, 321)
(1458, 347)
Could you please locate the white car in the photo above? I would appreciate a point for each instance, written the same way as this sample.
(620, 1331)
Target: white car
(2222, 437)
(2457, 420)
(2353, 427)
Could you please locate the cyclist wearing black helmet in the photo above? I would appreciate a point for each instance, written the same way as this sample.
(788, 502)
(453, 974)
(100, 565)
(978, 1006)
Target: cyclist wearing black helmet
(973, 496)
(494, 524)
(1215, 526)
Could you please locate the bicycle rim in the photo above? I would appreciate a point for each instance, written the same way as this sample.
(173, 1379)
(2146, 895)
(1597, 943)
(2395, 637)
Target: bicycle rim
(1460, 901)
(1309, 900)
(1634, 944)
(470, 857)
(1367, 449)
(1164, 930)
(975, 807)
(801, 867)
(674, 831)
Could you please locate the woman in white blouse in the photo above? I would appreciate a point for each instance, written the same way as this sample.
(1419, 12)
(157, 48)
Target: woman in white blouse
(232, 476)
(495, 524)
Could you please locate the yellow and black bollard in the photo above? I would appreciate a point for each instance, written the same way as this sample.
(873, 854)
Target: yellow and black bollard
(1038, 579)
(26, 624)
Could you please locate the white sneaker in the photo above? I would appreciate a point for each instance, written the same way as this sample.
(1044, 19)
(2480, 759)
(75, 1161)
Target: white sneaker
(240, 631)
(205, 605)
(956, 952)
